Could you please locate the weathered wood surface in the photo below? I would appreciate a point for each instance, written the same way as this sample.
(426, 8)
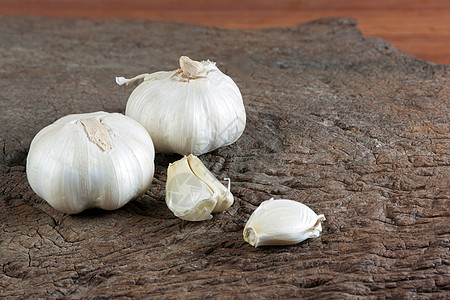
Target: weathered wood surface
(418, 27)
(343, 123)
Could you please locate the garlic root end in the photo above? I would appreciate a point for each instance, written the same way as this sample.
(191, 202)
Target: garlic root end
(251, 237)
(320, 219)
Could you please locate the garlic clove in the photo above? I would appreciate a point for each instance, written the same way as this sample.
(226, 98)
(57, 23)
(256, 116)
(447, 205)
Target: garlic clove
(224, 197)
(187, 196)
(192, 191)
(282, 222)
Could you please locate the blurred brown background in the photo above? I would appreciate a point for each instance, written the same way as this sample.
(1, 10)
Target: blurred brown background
(419, 27)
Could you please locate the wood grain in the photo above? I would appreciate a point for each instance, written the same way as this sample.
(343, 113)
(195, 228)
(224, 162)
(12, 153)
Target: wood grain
(421, 28)
(343, 123)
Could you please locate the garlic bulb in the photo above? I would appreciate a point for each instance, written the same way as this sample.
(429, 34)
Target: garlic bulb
(192, 191)
(90, 160)
(282, 222)
(192, 110)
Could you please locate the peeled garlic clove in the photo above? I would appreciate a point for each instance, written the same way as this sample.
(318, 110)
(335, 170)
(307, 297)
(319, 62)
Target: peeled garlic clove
(90, 160)
(192, 110)
(192, 191)
(282, 222)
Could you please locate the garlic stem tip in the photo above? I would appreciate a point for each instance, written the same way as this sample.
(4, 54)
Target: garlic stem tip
(191, 68)
(121, 80)
(229, 183)
(185, 59)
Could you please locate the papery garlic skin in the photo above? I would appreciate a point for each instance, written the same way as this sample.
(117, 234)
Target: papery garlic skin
(193, 110)
(282, 222)
(224, 197)
(192, 191)
(90, 160)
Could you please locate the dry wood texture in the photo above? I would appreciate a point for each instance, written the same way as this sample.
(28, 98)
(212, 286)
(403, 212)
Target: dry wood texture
(419, 27)
(341, 122)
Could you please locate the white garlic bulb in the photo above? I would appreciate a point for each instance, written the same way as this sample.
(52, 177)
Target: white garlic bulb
(90, 160)
(282, 222)
(192, 110)
(192, 191)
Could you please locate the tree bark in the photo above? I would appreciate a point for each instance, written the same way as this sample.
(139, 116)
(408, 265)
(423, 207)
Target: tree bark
(343, 123)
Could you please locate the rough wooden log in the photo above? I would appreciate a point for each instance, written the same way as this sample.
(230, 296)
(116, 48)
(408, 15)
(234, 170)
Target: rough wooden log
(341, 122)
